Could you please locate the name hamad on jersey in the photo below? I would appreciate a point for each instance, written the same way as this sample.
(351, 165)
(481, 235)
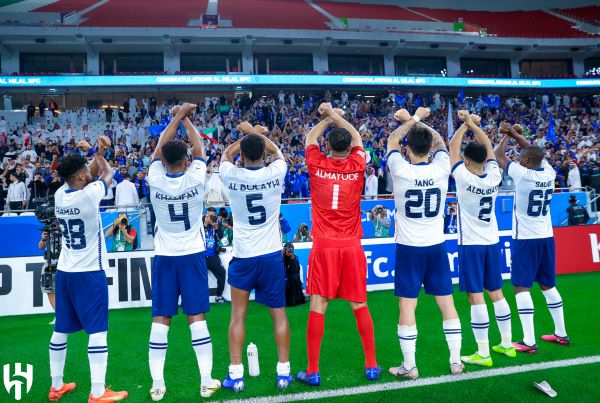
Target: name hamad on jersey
(336, 190)
(255, 200)
(78, 213)
(419, 192)
(178, 202)
(533, 193)
(476, 204)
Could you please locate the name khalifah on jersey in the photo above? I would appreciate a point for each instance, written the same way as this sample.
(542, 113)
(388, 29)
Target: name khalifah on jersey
(78, 213)
(419, 194)
(476, 204)
(178, 202)
(533, 192)
(255, 200)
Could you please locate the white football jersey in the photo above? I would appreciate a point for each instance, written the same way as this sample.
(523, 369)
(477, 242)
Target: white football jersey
(533, 192)
(255, 200)
(476, 204)
(420, 195)
(178, 202)
(78, 213)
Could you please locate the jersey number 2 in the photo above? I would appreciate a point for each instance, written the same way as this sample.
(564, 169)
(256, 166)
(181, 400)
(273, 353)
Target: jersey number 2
(260, 213)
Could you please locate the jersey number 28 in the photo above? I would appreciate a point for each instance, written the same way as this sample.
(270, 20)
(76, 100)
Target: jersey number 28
(73, 231)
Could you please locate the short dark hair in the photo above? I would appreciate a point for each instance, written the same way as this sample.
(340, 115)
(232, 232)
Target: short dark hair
(476, 152)
(339, 139)
(535, 155)
(127, 176)
(174, 151)
(253, 147)
(70, 164)
(419, 141)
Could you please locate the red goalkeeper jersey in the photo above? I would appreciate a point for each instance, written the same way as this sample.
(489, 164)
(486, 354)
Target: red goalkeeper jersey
(336, 186)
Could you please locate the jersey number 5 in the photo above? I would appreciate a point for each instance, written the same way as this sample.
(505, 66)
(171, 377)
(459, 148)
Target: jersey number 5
(260, 213)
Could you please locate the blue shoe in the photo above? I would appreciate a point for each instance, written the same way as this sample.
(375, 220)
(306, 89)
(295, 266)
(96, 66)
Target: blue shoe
(283, 381)
(313, 379)
(373, 373)
(237, 385)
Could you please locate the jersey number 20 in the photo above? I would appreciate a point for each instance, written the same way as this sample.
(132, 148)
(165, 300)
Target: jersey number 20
(417, 198)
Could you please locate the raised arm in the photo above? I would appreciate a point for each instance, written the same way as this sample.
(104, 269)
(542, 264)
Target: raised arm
(316, 132)
(500, 152)
(456, 141)
(194, 136)
(337, 119)
(398, 135)
(234, 149)
(270, 146)
(107, 172)
(438, 141)
(473, 124)
(515, 132)
(102, 145)
(170, 131)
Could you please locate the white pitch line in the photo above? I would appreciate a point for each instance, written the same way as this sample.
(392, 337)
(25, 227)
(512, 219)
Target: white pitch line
(382, 387)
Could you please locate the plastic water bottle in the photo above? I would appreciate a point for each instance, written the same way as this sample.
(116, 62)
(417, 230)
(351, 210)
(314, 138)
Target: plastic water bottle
(253, 367)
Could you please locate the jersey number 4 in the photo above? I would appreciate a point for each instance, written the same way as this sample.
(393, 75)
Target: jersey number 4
(421, 203)
(73, 231)
(184, 217)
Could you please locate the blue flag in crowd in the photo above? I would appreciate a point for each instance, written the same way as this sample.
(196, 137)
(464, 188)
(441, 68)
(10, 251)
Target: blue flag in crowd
(480, 104)
(492, 101)
(544, 108)
(551, 132)
(156, 130)
(461, 96)
(400, 100)
(308, 103)
(418, 101)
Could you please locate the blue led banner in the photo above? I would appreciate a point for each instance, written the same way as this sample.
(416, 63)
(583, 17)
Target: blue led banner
(228, 80)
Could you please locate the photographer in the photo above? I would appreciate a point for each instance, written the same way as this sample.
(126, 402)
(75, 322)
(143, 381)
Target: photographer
(37, 190)
(213, 234)
(293, 284)
(380, 220)
(124, 235)
(303, 235)
(227, 223)
(450, 219)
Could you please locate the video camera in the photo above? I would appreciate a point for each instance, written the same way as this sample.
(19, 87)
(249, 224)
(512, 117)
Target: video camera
(46, 215)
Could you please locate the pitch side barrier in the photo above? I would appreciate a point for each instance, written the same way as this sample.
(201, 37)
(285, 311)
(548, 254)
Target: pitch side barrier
(129, 273)
(287, 80)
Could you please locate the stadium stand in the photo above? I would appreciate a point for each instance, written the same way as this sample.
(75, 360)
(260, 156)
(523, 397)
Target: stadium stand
(371, 11)
(518, 24)
(590, 15)
(66, 6)
(138, 13)
(275, 14)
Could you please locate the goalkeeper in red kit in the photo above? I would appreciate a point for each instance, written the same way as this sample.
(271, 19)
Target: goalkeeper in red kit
(337, 267)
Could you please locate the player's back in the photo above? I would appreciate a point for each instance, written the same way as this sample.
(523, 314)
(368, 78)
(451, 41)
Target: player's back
(336, 190)
(178, 202)
(533, 193)
(419, 194)
(476, 204)
(77, 211)
(255, 200)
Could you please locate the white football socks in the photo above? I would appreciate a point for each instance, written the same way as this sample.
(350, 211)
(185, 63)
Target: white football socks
(98, 356)
(407, 335)
(453, 338)
(525, 307)
(503, 319)
(480, 323)
(157, 353)
(202, 345)
(555, 304)
(58, 355)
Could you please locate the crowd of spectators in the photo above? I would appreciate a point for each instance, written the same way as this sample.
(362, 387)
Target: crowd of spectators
(565, 126)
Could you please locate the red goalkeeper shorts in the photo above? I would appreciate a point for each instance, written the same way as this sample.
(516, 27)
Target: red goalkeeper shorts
(337, 269)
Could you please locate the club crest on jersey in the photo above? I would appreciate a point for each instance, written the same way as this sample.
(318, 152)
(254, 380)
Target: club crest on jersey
(336, 176)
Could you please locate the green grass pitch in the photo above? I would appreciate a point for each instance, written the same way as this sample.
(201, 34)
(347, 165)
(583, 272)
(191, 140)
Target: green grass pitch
(25, 339)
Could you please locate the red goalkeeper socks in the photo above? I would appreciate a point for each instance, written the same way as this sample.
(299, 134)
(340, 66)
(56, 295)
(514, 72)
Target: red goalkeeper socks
(314, 335)
(364, 322)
